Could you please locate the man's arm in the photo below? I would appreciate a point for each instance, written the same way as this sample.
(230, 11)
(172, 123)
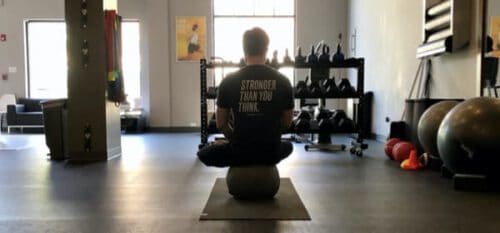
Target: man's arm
(222, 118)
(286, 119)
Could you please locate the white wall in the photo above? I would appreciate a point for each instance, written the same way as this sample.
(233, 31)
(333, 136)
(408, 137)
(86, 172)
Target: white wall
(388, 33)
(170, 88)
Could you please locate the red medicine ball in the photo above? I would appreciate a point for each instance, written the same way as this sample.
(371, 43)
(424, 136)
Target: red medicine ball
(401, 151)
(389, 145)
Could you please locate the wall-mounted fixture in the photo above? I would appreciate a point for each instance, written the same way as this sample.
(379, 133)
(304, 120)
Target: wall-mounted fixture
(446, 27)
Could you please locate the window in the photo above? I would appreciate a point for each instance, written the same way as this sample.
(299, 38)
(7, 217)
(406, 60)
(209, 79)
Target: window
(47, 59)
(233, 17)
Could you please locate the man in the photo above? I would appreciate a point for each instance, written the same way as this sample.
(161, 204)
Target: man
(254, 106)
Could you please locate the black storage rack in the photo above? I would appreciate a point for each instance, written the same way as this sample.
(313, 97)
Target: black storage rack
(357, 145)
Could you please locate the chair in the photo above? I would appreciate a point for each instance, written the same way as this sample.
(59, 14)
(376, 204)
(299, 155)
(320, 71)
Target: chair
(5, 99)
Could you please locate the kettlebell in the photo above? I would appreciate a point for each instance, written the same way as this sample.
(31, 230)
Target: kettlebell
(274, 61)
(312, 59)
(338, 57)
(287, 60)
(299, 59)
(324, 58)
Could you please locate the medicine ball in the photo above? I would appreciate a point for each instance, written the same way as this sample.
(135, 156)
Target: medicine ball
(401, 151)
(389, 145)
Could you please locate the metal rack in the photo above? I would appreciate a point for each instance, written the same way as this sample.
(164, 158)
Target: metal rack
(357, 145)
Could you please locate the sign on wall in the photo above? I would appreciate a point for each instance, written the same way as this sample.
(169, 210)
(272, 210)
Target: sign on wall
(190, 34)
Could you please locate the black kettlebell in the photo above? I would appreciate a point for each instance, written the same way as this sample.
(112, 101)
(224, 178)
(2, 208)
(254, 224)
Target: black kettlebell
(324, 58)
(346, 89)
(242, 62)
(299, 59)
(338, 57)
(301, 89)
(287, 60)
(304, 115)
(312, 59)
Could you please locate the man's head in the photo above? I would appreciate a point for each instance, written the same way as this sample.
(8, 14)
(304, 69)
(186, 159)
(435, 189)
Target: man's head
(255, 43)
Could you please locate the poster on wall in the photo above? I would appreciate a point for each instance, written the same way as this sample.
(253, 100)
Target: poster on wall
(190, 34)
(495, 35)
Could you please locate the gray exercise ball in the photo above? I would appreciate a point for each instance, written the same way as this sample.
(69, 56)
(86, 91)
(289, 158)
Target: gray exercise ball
(469, 137)
(253, 182)
(429, 123)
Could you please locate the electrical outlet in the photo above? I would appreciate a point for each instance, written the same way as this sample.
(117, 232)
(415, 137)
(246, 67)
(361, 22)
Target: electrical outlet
(12, 69)
(192, 124)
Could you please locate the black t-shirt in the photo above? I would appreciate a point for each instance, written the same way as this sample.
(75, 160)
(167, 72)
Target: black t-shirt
(256, 95)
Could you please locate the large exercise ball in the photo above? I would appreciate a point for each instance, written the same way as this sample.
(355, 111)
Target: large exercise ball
(429, 123)
(469, 137)
(253, 182)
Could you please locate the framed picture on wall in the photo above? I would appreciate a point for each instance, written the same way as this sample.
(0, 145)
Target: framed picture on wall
(495, 35)
(191, 40)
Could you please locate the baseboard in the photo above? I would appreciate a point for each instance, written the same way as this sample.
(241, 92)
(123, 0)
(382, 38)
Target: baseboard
(174, 129)
(379, 137)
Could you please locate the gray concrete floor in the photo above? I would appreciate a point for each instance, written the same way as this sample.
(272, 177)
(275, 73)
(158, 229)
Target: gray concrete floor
(159, 186)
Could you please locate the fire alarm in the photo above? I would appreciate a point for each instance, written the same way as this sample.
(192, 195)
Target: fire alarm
(3, 37)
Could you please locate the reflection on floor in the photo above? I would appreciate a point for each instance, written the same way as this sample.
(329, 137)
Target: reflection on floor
(158, 185)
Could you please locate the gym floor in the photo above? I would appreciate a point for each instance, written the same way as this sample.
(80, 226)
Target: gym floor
(159, 186)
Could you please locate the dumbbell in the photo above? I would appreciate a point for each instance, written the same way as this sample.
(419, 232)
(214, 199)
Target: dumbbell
(326, 126)
(324, 58)
(337, 116)
(346, 90)
(312, 59)
(286, 59)
(330, 87)
(299, 59)
(302, 122)
(322, 113)
(301, 89)
(346, 125)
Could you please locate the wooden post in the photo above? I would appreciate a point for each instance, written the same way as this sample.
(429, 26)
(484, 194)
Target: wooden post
(93, 121)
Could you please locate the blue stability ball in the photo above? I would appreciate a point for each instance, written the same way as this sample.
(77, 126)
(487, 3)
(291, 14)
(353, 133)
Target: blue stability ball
(253, 182)
(429, 123)
(469, 137)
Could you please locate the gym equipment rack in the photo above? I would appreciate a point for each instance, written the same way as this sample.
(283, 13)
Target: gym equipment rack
(357, 145)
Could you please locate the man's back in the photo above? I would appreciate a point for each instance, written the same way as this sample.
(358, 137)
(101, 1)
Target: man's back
(256, 95)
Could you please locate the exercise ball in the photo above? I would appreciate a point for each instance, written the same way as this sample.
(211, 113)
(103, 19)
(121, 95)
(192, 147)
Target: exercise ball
(401, 151)
(253, 182)
(469, 137)
(429, 123)
(389, 145)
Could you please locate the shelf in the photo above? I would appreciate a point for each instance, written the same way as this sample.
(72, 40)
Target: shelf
(348, 63)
